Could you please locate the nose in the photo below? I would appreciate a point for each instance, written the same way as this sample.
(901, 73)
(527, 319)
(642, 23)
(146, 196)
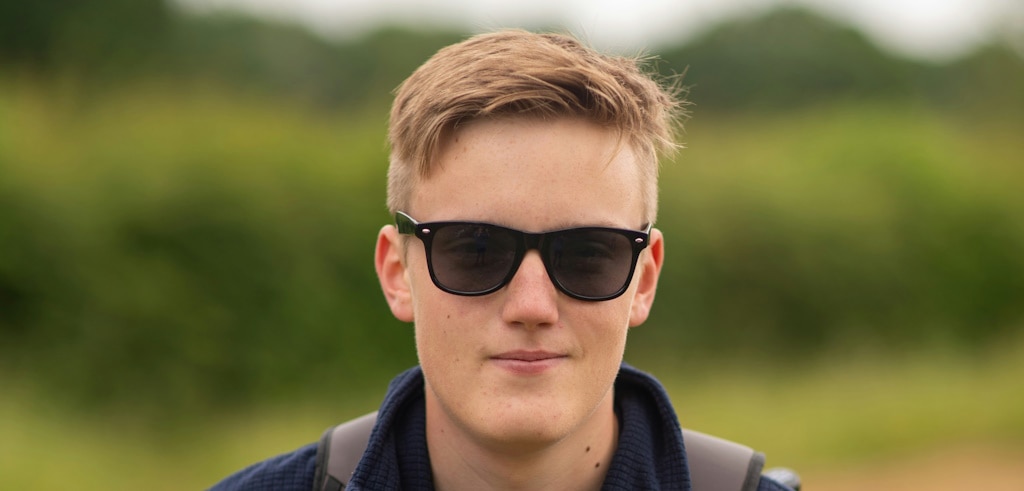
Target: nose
(531, 300)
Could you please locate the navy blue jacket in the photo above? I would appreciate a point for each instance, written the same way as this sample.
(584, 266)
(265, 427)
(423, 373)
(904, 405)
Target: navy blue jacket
(650, 454)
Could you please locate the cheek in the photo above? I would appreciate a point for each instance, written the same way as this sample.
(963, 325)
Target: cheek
(604, 334)
(432, 324)
(445, 331)
(436, 354)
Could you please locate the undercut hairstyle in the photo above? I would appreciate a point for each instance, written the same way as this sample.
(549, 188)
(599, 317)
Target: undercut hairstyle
(516, 73)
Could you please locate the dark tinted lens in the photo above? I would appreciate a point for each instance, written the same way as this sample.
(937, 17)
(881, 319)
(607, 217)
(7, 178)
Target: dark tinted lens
(472, 258)
(591, 262)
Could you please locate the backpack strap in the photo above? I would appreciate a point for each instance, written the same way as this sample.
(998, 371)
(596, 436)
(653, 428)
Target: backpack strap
(715, 464)
(721, 465)
(339, 451)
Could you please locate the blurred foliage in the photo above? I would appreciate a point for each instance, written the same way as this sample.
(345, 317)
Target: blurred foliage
(790, 58)
(281, 59)
(190, 222)
(96, 36)
(176, 249)
(866, 226)
(786, 58)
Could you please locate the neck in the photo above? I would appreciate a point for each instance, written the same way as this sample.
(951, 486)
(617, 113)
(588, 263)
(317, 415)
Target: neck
(579, 461)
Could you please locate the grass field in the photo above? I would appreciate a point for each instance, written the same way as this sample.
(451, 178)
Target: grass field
(864, 423)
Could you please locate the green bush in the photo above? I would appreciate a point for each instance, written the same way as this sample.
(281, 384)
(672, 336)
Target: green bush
(187, 250)
(184, 250)
(854, 226)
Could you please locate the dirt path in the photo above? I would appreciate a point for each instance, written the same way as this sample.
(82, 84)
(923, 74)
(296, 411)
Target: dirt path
(967, 468)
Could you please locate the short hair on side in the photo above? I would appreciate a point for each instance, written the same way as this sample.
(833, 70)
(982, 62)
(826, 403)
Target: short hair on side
(523, 74)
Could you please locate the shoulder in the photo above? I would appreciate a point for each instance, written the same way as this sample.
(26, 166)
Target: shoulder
(768, 484)
(286, 472)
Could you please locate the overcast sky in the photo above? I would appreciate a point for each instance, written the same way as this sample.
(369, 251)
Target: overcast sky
(925, 28)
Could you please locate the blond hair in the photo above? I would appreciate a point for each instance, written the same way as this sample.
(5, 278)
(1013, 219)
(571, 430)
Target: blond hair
(519, 73)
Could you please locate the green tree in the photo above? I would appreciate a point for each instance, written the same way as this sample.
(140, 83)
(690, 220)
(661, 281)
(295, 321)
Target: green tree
(783, 58)
(91, 35)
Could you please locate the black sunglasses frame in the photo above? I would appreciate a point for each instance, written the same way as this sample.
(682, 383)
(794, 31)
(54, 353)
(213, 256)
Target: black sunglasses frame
(525, 241)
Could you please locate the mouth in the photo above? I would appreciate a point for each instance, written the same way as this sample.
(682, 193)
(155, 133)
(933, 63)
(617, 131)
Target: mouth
(528, 356)
(528, 362)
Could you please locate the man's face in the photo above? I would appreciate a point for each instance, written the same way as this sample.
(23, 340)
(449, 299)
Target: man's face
(526, 364)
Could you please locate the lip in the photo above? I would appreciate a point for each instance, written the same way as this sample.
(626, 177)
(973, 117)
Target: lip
(528, 362)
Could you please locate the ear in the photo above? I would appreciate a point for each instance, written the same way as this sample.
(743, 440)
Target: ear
(389, 261)
(647, 271)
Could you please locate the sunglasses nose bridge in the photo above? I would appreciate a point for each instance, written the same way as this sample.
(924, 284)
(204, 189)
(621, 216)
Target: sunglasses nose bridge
(537, 242)
(531, 241)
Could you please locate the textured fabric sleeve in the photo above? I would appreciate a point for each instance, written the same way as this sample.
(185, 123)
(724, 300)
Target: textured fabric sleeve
(767, 484)
(288, 472)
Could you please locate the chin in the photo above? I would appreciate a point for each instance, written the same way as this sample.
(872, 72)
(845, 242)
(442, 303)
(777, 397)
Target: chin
(524, 435)
(528, 423)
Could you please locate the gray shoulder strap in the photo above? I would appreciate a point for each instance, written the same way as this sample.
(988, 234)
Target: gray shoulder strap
(721, 465)
(339, 452)
(715, 464)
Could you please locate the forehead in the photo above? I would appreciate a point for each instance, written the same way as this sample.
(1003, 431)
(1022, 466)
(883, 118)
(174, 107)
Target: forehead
(532, 174)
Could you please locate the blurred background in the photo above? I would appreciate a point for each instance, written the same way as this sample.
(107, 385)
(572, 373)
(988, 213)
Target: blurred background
(190, 193)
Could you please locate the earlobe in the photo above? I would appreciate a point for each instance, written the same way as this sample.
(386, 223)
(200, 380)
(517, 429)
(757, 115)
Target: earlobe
(647, 271)
(390, 266)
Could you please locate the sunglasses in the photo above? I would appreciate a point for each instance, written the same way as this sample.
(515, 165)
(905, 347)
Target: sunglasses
(474, 258)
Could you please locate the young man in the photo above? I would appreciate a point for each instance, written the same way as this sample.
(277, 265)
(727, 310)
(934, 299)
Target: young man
(523, 178)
